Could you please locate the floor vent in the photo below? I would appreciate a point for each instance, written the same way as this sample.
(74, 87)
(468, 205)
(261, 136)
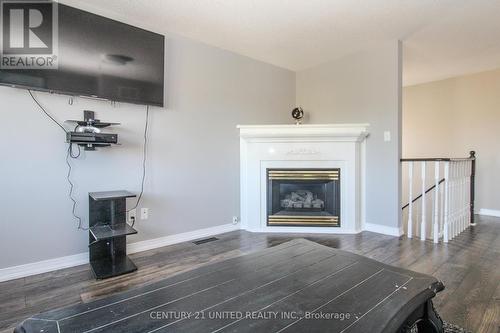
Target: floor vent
(206, 240)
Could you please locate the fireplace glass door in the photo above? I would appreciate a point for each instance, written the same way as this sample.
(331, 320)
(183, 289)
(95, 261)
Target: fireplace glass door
(303, 197)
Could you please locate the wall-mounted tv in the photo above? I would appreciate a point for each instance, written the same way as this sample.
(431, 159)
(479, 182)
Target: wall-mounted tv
(96, 57)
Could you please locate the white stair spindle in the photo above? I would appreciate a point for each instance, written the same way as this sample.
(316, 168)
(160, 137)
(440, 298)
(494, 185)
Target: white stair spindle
(436, 203)
(452, 200)
(460, 193)
(464, 195)
(441, 210)
(467, 194)
(462, 206)
(446, 229)
(410, 199)
(465, 202)
(459, 199)
(424, 204)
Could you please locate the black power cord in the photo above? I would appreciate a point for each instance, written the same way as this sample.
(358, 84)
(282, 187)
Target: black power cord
(71, 151)
(144, 154)
(71, 186)
(45, 111)
(71, 147)
(144, 157)
(68, 156)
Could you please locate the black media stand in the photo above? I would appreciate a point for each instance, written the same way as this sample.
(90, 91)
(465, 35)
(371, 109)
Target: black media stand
(108, 232)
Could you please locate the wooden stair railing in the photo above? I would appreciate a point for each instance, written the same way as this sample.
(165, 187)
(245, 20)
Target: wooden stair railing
(453, 204)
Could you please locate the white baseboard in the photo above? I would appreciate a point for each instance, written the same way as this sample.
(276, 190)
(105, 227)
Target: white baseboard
(383, 229)
(489, 212)
(179, 238)
(16, 272)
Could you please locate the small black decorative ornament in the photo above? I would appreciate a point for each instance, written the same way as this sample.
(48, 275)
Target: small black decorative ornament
(298, 114)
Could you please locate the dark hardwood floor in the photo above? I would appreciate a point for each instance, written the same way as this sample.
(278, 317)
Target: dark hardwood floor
(469, 266)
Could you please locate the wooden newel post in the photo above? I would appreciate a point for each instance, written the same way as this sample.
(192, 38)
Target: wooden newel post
(472, 185)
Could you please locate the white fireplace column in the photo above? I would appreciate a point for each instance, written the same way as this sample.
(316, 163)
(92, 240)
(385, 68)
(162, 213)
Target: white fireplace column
(325, 146)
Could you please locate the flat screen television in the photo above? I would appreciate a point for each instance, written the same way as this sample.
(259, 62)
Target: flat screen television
(101, 58)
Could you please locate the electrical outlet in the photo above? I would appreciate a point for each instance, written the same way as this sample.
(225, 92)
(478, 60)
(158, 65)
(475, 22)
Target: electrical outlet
(144, 213)
(235, 220)
(132, 215)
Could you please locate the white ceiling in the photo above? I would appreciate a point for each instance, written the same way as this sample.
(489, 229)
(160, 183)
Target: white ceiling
(442, 38)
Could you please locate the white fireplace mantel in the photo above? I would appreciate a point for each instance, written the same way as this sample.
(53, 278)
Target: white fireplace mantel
(331, 132)
(264, 147)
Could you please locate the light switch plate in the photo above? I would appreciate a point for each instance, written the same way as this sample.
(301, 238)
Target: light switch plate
(387, 136)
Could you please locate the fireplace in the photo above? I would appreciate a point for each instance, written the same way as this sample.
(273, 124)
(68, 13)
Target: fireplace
(303, 197)
(334, 153)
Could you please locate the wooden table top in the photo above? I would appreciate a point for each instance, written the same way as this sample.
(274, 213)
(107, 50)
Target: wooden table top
(298, 286)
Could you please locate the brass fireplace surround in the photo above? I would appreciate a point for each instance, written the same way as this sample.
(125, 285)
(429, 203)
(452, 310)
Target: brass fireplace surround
(316, 219)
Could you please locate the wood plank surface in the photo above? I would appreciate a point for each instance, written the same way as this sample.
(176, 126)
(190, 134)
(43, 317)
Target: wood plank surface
(468, 266)
(350, 284)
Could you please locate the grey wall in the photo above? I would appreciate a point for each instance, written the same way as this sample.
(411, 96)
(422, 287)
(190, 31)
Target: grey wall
(364, 87)
(193, 151)
(193, 160)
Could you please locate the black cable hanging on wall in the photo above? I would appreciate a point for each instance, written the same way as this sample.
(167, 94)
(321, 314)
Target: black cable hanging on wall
(70, 155)
(144, 152)
(70, 169)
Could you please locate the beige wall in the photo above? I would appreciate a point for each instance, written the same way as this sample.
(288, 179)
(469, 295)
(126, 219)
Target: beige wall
(452, 117)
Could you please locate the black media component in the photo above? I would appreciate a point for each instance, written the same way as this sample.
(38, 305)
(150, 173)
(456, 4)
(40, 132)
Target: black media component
(88, 135)
(107, 234)
(84, 139)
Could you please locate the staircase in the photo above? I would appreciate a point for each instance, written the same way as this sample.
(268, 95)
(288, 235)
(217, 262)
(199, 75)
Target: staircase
(440, 196)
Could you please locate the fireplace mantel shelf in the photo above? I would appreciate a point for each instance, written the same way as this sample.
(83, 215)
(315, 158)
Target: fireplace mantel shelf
(330, 132)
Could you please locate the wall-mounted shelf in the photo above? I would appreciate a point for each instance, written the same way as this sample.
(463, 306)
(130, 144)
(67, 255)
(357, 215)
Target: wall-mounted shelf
(87, 133)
